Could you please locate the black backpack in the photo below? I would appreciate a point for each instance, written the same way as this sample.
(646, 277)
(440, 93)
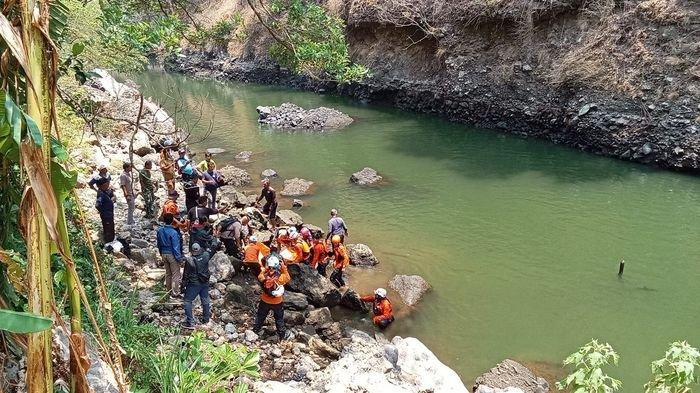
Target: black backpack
(201, 264)
(227, 222)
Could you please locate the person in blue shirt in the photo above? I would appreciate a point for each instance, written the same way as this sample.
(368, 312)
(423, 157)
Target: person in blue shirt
(169, 246)
(105, 205)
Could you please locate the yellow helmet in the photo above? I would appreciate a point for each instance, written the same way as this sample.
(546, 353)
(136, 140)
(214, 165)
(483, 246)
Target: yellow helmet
(335, 239)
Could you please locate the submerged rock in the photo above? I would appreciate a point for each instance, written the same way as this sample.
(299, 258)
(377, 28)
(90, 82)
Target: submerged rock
(292, 117)
(244, 155)
(361, 255)
(297, 203)
(510, 376)
(296, 187)
(410, 288)
(365, 177)
(269, 173)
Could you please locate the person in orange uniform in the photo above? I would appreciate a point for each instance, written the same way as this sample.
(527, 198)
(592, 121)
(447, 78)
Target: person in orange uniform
(253, 254)
(319, 255)
(381, 308)
(272, 277)
(170, 207)
(340, 253)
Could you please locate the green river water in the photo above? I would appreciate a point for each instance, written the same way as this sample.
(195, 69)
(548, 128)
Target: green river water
(520, 239)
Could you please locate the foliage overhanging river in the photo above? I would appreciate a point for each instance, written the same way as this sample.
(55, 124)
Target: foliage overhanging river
(520, 239)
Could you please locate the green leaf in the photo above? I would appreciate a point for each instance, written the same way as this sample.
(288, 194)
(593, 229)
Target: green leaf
(58, 150)
(23, 322)
(34, 131)
(78, 48)
(62, 180)
(12, 113)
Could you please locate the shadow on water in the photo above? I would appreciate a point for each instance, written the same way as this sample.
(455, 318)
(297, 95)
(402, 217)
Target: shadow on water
(461, 149)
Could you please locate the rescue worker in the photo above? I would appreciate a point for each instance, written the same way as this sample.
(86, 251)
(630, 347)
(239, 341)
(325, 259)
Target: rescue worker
(272, 278)
(254, 253)
(381, 308)
(195, 282)
(341, 260)
(319, 255)
(148, 189)
(270, 207)
(306, 241)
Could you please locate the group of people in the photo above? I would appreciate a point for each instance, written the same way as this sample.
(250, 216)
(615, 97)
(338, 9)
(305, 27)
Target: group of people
(266, 259)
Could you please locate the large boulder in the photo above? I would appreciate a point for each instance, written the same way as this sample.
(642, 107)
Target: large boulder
(402, 366)
(220, 268)
(144, 255)
(289, 218)
(361, 255)
(142, 144)
(318, 289)
(234, 197)
(351, 300)
(365, 177)
(296, 187)
(295, 301)
(314, 229)
(410, 288)
(510, 376)
(236, 177)
(319, 316)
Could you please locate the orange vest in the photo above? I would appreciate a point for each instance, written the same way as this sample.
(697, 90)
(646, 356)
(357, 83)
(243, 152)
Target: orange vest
(341, 257)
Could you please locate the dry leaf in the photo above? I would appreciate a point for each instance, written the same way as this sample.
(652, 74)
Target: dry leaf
(33, 163)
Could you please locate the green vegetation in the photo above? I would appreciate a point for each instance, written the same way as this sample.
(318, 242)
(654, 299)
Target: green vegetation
(309, 40)
(675, 372)
(220, 34)
(589, 377)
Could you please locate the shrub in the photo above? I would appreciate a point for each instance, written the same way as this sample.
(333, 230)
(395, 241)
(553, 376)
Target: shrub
(589, 376)
(675, 372)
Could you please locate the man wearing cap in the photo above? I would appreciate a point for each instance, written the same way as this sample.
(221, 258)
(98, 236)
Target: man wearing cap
(196, 283)
(102, 173)
(270, 207)
(190, 177)
(381, 308)
(105, 205)
(148, 189)
(127, 185)
(170, 248)
(336, 226)
(272, 278)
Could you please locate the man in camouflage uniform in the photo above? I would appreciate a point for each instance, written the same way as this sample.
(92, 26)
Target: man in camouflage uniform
(148, 189)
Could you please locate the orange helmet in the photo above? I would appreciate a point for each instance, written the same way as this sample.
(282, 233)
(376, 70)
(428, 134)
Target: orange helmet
(335, 239)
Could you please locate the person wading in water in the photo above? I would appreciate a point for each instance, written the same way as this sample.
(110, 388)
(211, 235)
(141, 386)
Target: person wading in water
(381, 308)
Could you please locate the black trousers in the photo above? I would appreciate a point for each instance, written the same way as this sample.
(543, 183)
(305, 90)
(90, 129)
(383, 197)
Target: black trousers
(321, 269)
(107, 228)
(383, 324)
(191, 196)
(278, 312)
(337, 278)
(231, 247)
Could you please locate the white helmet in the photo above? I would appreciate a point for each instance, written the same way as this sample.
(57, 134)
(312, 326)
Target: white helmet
(253, 238)
(274, 262)
(293, 234)
(381, 292)
(282, 232)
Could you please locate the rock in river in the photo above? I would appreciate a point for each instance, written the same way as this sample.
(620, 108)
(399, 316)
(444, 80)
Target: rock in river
(236, 177)
(296, 187)
(268, 173)
(365, 177)
(361, 255)
(292, 117)
(510, 376)
(288, 217)
(411, 288)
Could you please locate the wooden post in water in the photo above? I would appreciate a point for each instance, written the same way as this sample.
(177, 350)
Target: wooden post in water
(622, 268)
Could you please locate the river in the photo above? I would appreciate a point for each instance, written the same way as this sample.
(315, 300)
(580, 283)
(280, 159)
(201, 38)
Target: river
(520, 239)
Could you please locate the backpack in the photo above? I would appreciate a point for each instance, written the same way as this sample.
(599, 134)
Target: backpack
(201, 264)
(227, 222)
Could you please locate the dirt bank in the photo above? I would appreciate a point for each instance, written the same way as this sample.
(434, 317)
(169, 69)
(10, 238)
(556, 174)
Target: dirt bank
(611, 78)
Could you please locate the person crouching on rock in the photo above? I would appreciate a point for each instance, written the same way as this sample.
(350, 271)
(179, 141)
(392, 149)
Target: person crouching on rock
(272, 278)
(255, 251)
(342, 260)
(195, 282)
(381, 308)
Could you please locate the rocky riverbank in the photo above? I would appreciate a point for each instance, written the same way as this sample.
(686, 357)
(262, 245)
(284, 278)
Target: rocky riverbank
(559, 84)
(321, 345)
